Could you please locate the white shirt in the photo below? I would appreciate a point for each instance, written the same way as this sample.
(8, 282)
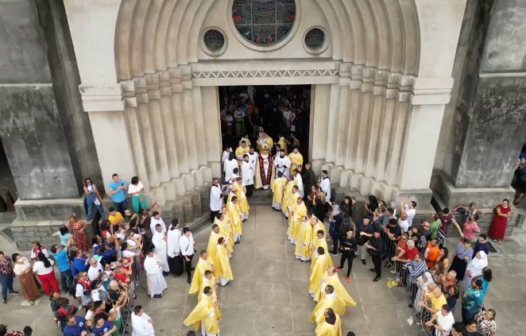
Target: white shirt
(229, 168)
(216, 202)
(224, 158)
(135, 188)
(445, 322)
(39, 268)
(93, 273)
(187, 245)
(173, 241)
(79, 292)
(404, 224)
(44, 250)
(154, 221)
(410, 215)
(325, 186)
(253, 159)
(248, 174)
(141, 325)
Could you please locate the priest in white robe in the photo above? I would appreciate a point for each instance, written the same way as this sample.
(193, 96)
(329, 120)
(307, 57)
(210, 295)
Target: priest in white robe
(247, 173)
(299, 182)
(216, 199)
(229, 166)
(142, 324)
(159, 242)
(154, 275)
(156, 219)
(226, 154)
(325, 184)
(253, 157)
(282, 163)
(173, 236)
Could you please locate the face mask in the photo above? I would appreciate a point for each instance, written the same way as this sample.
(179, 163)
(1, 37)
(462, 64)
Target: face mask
(282, 156)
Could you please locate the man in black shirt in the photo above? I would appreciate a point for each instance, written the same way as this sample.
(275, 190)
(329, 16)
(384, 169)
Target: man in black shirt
(376, 248)
(335, 231)
(308, 177)
(394, 231)
(364, 231)
(348, 249)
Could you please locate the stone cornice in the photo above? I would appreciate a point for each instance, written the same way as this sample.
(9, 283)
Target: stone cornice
(112, 97)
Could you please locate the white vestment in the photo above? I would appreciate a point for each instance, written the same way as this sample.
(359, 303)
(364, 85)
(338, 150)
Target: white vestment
(154, 221)
(229, 168)
(141, 326)
(248, 173)
(172, 242)
(299, 183)
(285, 165)
(160, 249)
(156, 282)
(216, 202)
(224, 158)
(325, 186)
(253, 159)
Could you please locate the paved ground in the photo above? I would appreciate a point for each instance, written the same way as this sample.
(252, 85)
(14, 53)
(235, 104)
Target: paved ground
(269, 294)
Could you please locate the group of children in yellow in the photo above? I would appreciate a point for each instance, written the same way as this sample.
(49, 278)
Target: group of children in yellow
(304, 230)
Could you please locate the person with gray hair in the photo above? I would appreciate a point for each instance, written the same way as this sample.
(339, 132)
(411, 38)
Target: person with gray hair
(94, 270)
(408, 253)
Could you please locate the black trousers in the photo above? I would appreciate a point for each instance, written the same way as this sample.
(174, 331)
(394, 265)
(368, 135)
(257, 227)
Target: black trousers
(188, 265)
(377, 262)
(250, 190)
(213, 215)
(349, 257)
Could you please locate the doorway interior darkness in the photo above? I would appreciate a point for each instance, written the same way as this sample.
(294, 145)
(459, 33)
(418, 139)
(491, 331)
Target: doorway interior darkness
(274, 102)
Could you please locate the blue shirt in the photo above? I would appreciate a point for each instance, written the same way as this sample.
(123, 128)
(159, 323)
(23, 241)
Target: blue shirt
(77, 329)
(104, 329)
(109, 255)
(62, 260)
(119, 196)
(63, 238)
(79, 266)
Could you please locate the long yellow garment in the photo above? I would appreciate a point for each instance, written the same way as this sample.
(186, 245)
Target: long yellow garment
(323, 243)
(318, 267)
(278, 187)
(286, 195)
(222, 266)
(207, 283)
(335, 282)
(319, 226)
(303, 245)
(226, 231)
(242, 202)
(333, 302)
(235, 215)
(199, 273)
(295, 159)
(246, 140)
(240, 151)
(326, 329)
(299, 212)
(283, 144)
(202, 312)
(290, 221)
(265, 140)
(212, 245)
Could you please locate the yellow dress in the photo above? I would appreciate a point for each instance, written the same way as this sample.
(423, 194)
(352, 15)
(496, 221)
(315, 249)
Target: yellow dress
(212, 245)
(240, 151)
(299, 212)
(278, 187)
(295, 159)
(318, 267)
(334, 281)
(202, 312)
(225, 229)
(303, 250)
(333, 302)
(199, 273)
(283, 144)
(222, 266)
(323, 243)
(326, 329)
(286, 196)
(235, 215)
(207, 283)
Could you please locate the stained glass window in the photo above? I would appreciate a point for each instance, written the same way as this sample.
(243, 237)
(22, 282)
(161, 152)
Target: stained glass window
(214, 40)
(315, 38)
(264, 21)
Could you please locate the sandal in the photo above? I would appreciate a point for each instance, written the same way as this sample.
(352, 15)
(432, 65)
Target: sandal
(32, 303)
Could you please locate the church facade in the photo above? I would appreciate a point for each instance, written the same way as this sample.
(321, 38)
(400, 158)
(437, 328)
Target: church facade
(386, 77)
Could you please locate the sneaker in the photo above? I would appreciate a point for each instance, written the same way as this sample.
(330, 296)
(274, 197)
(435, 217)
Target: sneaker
(372, 270)
(393, 271)
(364, 262)
(376, 279)
(348, 279)
(334, 254)
(13, 293)
(5, 301)
(339, 268)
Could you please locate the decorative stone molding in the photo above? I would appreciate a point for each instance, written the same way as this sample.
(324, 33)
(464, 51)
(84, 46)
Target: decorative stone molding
(269, 73)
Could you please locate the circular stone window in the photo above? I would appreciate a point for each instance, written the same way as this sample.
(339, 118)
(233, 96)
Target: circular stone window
(214, 40)
(315, 39)
(264, 22)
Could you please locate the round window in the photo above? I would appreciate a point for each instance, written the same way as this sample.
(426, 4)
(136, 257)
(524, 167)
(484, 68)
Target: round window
(315, 38)
(264, 22)
(214, 40)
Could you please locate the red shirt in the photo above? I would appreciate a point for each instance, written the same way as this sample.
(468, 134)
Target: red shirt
(120, 277)
(410, 254)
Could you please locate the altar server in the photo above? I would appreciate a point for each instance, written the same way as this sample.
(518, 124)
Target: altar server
(154, 275)
(161, 251)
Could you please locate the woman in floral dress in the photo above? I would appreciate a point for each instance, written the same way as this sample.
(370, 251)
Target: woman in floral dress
(79, 234)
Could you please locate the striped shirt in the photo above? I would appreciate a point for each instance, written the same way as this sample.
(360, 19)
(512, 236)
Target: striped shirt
(416, 269)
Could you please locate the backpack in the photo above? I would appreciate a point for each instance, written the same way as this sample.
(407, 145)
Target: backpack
(346, 225)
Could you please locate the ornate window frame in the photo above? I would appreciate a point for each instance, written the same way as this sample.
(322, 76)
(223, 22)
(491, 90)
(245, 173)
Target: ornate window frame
(264, 48)
(205, 48)
(325, 45)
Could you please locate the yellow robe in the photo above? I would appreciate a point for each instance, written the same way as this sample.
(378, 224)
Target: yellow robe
(283, 145)
(247, 141)
(300, 211)
(315, 229)
(199, 273)
(235, 216)
(295, 159)
(207, 283)
(334, 281)
(286, 195)
(238, 191)
(222, 265)
(226, 230)
(323, 243)
(318, 267)
(333, 302)
(267, 140)
(202, 312)
(212, 244)
(326, 329)
(240, 151)
(278, 188)
(303, 249)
